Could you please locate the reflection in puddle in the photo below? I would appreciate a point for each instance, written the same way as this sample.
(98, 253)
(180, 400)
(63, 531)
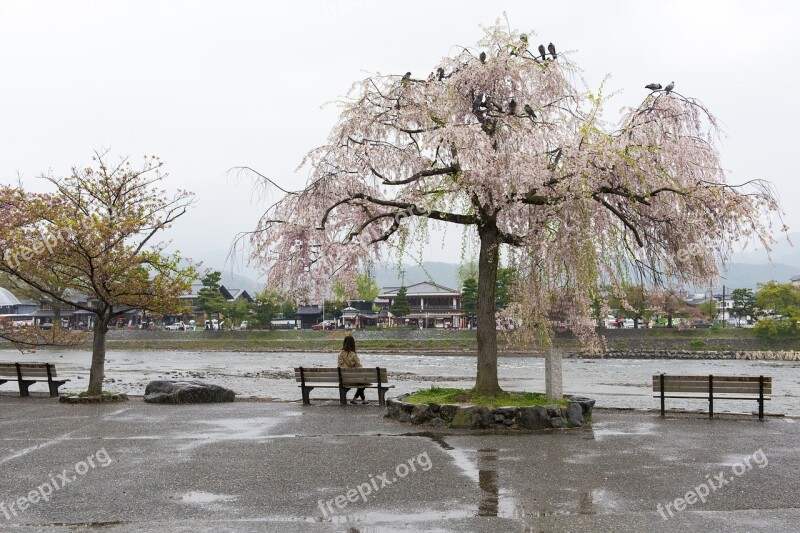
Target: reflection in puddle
(487, 480)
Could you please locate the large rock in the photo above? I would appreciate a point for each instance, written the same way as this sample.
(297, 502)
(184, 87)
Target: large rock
(186, 392)
(472, 417)
(535, 417)
(574, 414)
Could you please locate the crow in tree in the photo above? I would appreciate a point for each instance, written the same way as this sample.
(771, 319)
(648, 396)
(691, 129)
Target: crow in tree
(653, 86)
(542, 50)
(407, 76)
(480, 101)
(669, 87)
(440, 73)
(482, 57)
(552, 49)
(512, 107)
(529, 111)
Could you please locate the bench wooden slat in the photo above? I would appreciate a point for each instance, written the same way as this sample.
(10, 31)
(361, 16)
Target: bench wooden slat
(28, 370)
(715, 397)
(718, 388)
(362, 377)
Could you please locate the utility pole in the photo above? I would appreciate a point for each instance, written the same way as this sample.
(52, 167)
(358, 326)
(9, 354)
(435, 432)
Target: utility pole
(723, 306)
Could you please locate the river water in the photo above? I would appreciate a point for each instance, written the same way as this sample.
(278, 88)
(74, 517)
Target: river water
(624, 383)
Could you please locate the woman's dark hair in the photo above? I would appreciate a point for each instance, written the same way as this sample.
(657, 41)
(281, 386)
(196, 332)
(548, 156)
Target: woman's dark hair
(349, 344)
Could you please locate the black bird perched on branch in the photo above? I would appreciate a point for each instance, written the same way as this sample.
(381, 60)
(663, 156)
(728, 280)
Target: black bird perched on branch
(653, 86)
(512, 107)
(482, 57)
(479, 101)
(669, 87)
(407, 76)
(529, 111)
(552, 49)
(440, 73)
(542, 50)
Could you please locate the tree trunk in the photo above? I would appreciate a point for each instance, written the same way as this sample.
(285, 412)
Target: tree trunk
(486, 380)
(97, 371)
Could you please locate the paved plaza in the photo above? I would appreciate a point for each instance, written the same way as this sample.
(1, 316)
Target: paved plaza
(275, 466)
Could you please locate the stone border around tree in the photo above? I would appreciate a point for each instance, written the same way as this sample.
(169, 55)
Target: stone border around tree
(577, 413)
(105, 398)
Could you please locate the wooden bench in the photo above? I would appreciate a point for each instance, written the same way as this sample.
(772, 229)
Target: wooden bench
(710, 387)
(344, 379)
(29, 373)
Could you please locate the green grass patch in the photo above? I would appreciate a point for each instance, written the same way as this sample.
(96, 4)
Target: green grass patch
(468, 396)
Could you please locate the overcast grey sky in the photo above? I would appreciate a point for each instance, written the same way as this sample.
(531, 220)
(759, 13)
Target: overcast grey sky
(211, 85)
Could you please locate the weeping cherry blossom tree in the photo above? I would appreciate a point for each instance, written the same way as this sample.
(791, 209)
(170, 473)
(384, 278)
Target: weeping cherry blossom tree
(505, 141)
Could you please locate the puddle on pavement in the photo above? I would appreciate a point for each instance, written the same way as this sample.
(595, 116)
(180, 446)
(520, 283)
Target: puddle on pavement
(204, 498)
(600, 432)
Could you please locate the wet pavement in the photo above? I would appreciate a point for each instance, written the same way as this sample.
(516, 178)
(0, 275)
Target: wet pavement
(267, 466)
(619, 383)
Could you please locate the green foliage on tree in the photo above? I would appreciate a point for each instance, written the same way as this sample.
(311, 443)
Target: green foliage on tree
(367, 288)
(400, 306)
(744, 303)
(504, 283)
(289, 309)
(236, 310)
(466, 271)
(469, 297)
(333, 309)
(209, 299)
(709, 310)
(265, 307)
(780, 298)
(634, 305)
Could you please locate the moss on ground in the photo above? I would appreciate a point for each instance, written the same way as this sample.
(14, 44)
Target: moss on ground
(468, 396)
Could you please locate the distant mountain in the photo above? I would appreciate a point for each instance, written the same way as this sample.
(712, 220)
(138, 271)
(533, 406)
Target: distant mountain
(784, 251)
(748, 276)
(446, 274)
(739, 274)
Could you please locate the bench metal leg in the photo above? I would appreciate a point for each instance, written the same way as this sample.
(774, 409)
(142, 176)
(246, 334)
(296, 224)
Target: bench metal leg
(661, 378)
(23, 387)
(710, 397)
(54, 385)
(306, 395)
(343, 395)
(761, 397)
(382, 396)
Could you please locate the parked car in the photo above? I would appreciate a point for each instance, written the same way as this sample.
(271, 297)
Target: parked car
(177, 326)
(698, 324)
(317, 327)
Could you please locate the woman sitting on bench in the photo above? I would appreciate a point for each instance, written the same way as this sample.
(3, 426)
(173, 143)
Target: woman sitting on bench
(348, 358)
